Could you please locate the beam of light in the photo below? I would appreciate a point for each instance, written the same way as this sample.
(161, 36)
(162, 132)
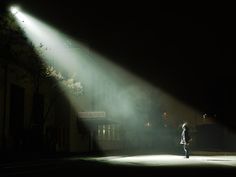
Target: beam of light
(125, 98)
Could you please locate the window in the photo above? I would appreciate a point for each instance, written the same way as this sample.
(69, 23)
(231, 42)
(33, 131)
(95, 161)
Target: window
(108, 132)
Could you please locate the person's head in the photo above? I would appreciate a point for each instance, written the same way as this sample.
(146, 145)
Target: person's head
(184, 126)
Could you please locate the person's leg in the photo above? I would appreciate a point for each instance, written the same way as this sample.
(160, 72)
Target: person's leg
(186, 150)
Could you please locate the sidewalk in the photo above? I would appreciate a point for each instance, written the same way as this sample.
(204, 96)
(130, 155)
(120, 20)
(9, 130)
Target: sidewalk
(29, 156)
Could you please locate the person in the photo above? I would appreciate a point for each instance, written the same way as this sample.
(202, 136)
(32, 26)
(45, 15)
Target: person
(185, 139)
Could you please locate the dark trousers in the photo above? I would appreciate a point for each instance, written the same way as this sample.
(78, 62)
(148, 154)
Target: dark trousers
(186, 150)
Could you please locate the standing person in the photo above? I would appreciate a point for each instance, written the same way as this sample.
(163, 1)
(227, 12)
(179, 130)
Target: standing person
(185, 139)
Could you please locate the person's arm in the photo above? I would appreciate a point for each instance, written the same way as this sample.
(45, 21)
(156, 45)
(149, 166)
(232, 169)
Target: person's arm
(187, 137)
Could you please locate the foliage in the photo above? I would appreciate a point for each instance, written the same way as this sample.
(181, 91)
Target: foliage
(71, 83)
(17, 49)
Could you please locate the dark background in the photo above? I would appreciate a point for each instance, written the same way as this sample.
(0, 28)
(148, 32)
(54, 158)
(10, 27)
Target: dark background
(186, 49)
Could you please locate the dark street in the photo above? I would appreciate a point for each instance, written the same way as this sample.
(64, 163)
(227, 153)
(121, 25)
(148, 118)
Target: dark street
(128, 165)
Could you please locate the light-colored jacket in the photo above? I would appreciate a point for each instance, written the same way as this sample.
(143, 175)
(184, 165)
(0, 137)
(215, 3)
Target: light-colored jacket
(185, 138)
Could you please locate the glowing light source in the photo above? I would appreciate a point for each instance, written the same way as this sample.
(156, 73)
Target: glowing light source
(148, 124)
(14, 9)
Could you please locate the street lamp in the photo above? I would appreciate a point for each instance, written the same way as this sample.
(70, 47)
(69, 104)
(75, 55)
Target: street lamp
(14, 9)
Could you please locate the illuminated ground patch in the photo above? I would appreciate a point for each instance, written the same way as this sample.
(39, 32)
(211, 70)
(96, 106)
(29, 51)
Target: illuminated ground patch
(168, 160)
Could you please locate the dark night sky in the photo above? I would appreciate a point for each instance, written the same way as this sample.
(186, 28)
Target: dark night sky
(184, 48)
